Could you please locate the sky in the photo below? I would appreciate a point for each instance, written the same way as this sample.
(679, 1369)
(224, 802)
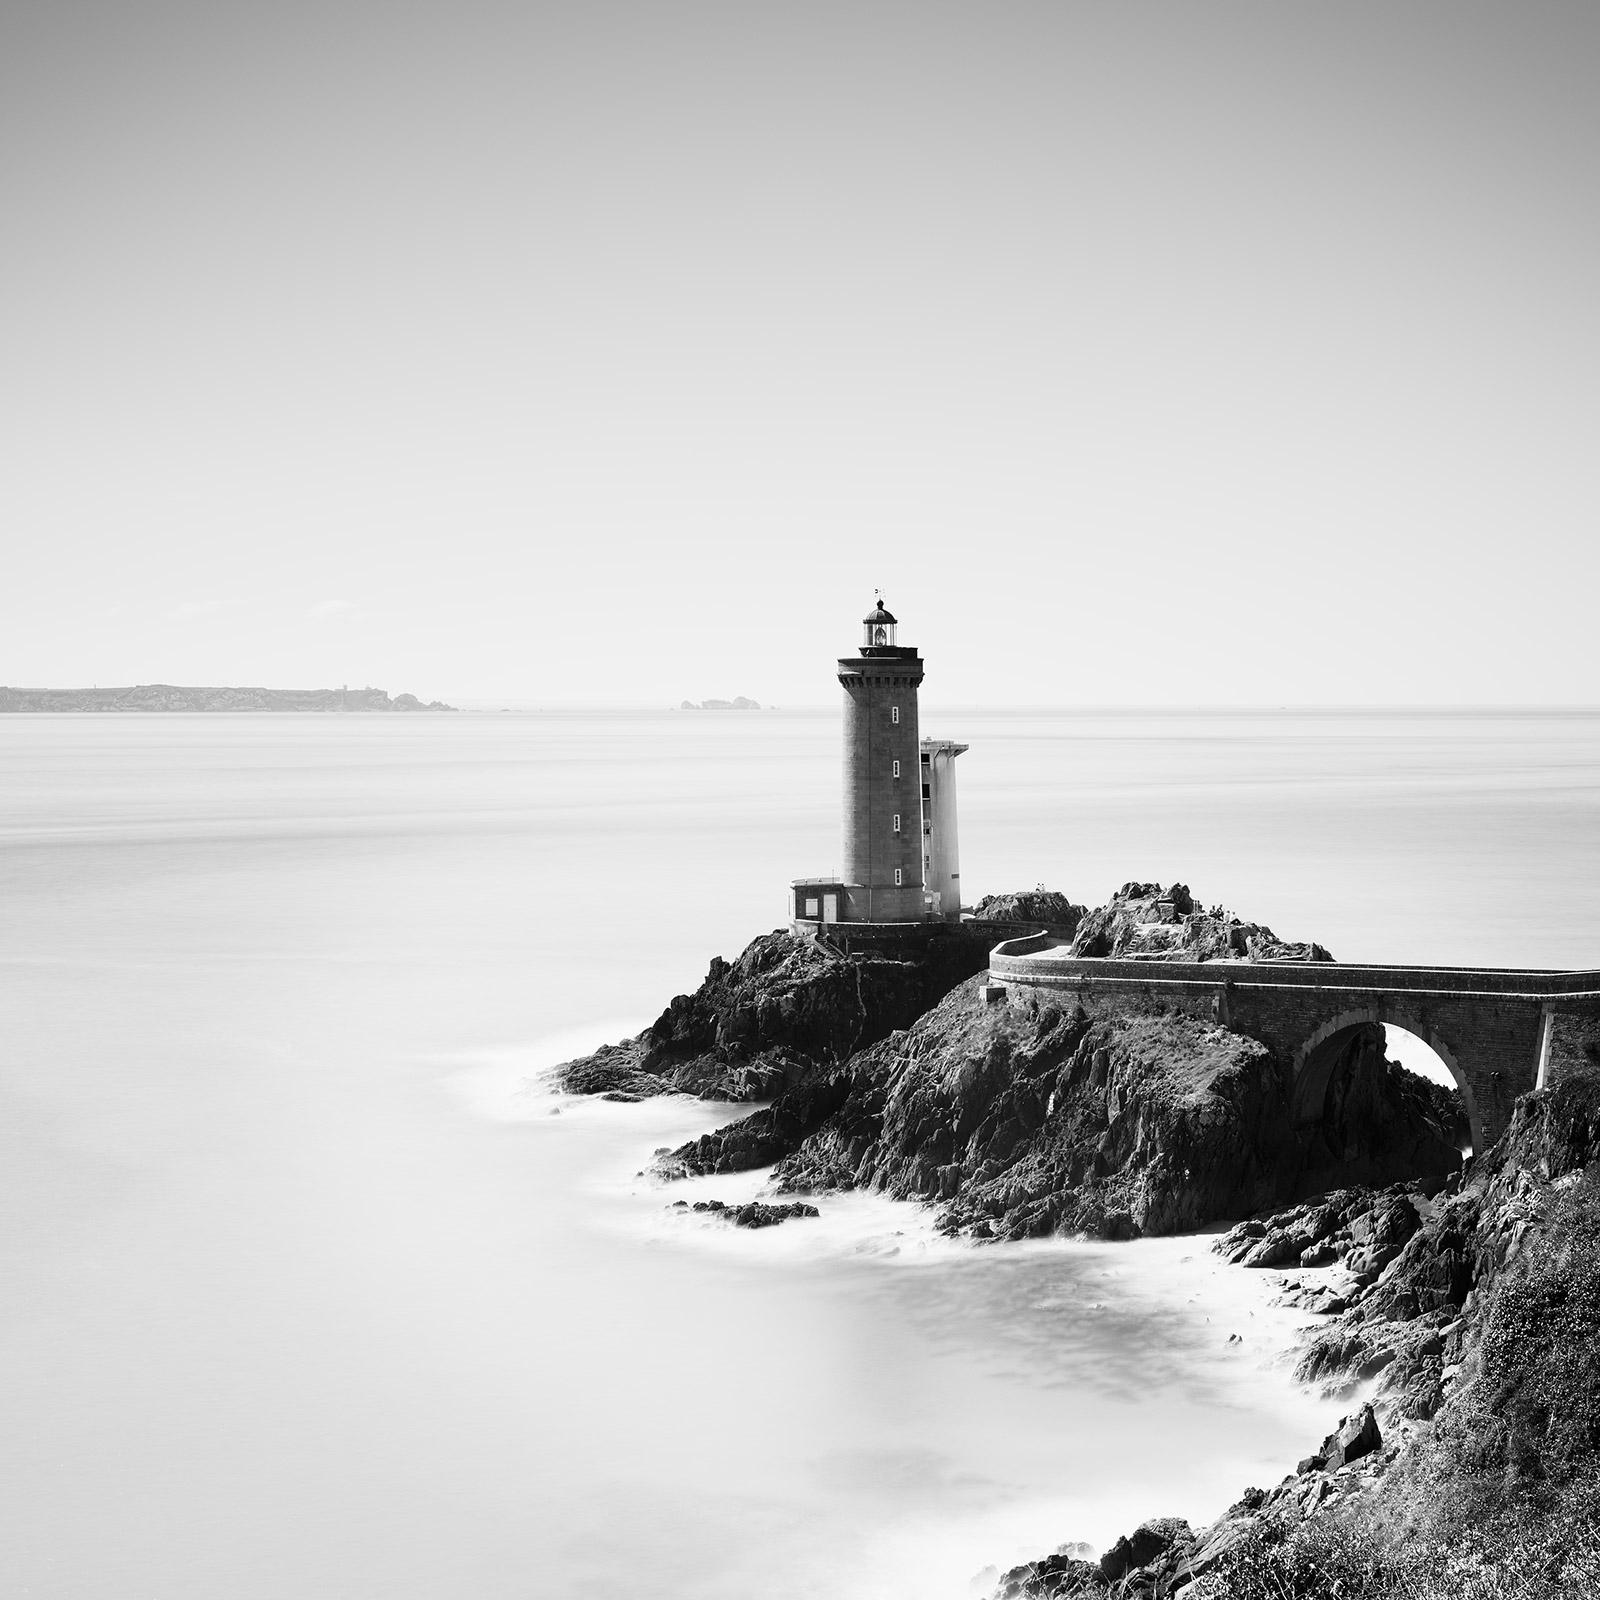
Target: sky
(1185, 353)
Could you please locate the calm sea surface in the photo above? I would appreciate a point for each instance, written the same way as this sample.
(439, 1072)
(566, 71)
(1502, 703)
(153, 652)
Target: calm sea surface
(314, 1291)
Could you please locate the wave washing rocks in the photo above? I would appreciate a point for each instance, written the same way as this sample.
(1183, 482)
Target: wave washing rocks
(1463, 1312)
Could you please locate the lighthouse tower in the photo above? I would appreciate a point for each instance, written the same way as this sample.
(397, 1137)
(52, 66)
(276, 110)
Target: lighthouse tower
(882, 859)
(899, 833)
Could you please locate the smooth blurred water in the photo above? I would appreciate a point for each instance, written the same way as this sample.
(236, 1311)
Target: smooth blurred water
(310, 1294)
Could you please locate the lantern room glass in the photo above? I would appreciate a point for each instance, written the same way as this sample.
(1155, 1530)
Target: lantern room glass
(874, 634)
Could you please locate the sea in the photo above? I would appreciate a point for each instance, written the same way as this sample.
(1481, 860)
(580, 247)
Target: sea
(316, 1288)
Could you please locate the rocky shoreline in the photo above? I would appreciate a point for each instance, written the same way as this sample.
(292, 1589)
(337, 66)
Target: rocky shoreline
(1466, 1339)
(1029, 1119)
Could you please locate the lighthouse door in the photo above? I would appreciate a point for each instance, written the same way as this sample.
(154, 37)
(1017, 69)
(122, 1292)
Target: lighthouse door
(830, 908)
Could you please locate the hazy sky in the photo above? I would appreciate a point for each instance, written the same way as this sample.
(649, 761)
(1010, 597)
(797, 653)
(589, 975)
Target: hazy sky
(1184, 352)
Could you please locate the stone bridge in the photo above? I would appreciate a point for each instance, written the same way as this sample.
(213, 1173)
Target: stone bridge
(1500, 1031)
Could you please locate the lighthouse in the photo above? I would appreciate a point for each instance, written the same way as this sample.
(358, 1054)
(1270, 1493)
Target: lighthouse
(899, 797)
(882, 855)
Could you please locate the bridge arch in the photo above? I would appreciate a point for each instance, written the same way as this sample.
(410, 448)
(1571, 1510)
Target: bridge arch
(1316, 1057)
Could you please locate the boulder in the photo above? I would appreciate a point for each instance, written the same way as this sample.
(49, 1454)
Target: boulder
(1143, 921)
(1355, 1437)
(1055, 1577)
(1046, 908)
(1144, 1545)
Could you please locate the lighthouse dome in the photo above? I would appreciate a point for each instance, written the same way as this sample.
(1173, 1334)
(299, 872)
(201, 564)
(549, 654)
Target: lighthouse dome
(878, 628)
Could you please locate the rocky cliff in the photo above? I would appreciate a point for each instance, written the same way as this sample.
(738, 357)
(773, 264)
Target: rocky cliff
(784, 1016)
(1024, 1120)
(1018, 1119)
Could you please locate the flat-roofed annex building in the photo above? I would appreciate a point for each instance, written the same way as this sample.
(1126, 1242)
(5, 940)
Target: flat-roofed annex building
(899, 862)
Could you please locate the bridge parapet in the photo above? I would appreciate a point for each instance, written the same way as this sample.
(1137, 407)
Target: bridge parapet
(1043, 961)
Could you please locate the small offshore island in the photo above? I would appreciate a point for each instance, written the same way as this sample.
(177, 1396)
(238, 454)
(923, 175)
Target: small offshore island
(1033, 1067)
(158, 697)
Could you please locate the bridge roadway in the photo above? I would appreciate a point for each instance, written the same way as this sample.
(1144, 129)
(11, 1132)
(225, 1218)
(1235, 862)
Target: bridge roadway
(1500, 1031)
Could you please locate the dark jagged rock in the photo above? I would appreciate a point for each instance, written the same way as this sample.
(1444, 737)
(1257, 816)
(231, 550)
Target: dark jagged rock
(766, 1135)
(1040, 908)
(1143, 921)
(1025, 1120)
(752, 1214)
(1034, 1123)
(1147, 1543)
(1355, 1437)
(1425, 1309)
(1354, 1225)
(787, 1008)
(1057, 1577)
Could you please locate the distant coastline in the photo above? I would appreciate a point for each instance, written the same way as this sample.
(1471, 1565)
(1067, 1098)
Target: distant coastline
(159, 697)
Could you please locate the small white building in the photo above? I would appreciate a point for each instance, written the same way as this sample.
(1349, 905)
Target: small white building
(941, 855)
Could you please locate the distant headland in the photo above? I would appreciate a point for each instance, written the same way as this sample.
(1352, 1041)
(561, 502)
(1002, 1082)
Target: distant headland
(180, 697)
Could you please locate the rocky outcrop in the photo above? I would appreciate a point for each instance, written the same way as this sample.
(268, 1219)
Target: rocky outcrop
(1019, 1119)
(783, 1016)
(1144, 922)
(1022, 1120)
(1040, 908)
(1025, 1122)
(752, 1214)
(765, 1136)
(1156, 1546)
(1423, 1270)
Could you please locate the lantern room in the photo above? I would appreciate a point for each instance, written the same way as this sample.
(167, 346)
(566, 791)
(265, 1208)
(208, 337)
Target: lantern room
(878, 628)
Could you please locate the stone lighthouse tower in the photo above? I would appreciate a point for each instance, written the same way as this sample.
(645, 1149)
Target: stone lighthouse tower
(882, 860)
(899, 866)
